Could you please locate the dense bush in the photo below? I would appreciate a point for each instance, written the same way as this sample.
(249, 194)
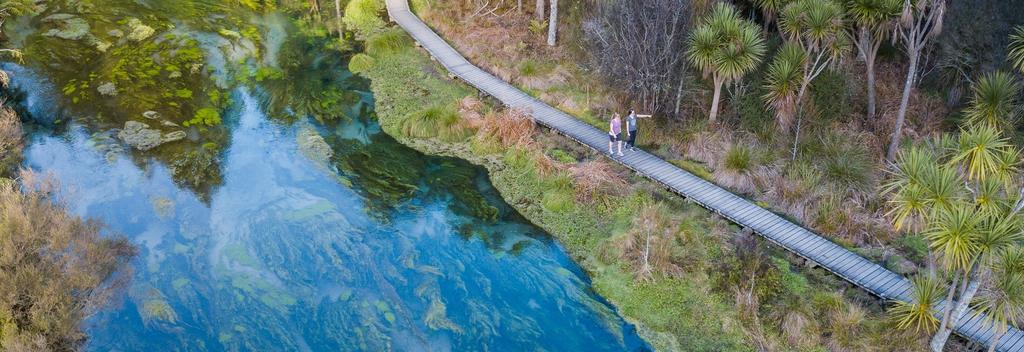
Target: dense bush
(364, 17)
(10, 140)
(56, 269)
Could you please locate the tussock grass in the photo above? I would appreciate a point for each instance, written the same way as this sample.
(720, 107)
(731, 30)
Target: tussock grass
(508, 128)
(387, 42)
(739, 159)
(360, 63)
(436, 122)
(594, 178)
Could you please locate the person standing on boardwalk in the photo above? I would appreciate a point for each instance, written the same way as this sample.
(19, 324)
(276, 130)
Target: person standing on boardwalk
(615, 134)
(631, 129)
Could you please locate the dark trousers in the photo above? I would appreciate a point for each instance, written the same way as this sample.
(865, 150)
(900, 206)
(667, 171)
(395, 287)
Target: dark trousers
(632, 139)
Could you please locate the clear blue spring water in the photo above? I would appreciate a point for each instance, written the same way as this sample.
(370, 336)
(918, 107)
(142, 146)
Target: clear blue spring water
(294, 255)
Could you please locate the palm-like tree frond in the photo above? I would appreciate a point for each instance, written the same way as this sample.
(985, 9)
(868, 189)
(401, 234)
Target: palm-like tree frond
(703, 48)
(819, 24)
(1016, 53)
(782, 82)
(954, 235)
(990, 199)
(742, 54)
(871, 13)
(770, 8)
(980, 150)
(1002, 299)
(726, 47)
(995, 101)
(919, 313)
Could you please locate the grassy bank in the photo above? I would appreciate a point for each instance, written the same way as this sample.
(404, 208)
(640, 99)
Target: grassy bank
(688, 279)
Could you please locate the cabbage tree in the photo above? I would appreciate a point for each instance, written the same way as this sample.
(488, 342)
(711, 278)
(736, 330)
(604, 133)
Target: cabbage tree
(725, 47)
(873, 21)
(816, 39)
(960, 193)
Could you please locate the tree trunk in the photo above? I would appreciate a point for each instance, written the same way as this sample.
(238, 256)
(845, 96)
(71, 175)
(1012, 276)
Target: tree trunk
(908, 86)
(870, 63)
(799, 114)
(519, 6)
(714, 101)
(948, 309)
(940, 338)
(337, 19)
(679, 97)
(553, 23)
(539, 12)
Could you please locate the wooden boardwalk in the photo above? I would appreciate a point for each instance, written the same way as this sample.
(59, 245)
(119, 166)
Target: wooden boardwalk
(840, 261)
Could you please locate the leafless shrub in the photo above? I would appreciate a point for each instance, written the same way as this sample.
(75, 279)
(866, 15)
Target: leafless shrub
(636, 46)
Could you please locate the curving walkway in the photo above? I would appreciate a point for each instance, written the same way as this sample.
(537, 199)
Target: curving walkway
(840, 261)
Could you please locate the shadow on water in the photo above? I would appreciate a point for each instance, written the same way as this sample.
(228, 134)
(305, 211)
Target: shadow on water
(323, 233)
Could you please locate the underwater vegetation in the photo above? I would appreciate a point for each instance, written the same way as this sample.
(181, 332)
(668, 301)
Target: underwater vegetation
(171, 65)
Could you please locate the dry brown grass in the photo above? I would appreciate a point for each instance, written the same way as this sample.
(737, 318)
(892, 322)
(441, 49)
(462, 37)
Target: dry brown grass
(56, 269)
(799, 330)
(509, 128)
(470, 108)
(709, 146)
(596, 177)
(924, 113)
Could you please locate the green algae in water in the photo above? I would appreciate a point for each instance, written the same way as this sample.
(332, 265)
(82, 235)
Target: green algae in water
(314, 210)
(179, 283)
(240, 255)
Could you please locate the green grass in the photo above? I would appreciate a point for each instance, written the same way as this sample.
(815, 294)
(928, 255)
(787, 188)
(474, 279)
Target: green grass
(529, 68)
(692, 319)
(739, 159)
(696, 168)
(360, 63)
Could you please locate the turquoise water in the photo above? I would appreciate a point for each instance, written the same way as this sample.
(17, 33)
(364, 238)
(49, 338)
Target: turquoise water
(376, 248)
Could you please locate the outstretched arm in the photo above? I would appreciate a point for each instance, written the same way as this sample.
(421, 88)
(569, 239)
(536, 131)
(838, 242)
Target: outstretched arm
(638, 115)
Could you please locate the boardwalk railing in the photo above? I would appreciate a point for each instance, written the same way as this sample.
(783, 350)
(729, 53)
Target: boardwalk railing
(836, 259)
